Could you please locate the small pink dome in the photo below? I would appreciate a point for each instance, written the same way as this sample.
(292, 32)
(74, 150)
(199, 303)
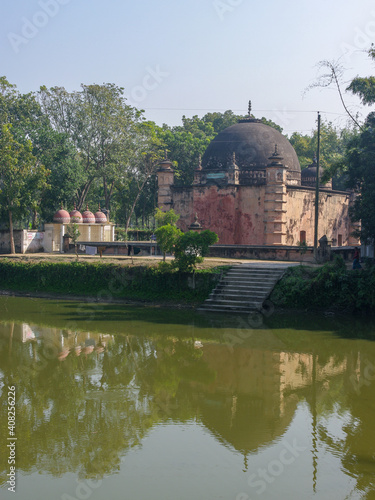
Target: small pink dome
(88, 217)
(75, 215)
(100, 217)
(61, 217)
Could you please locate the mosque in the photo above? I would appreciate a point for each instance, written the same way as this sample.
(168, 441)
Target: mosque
(249, 189)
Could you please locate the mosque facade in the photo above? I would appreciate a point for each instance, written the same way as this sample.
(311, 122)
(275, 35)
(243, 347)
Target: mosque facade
(249, 189)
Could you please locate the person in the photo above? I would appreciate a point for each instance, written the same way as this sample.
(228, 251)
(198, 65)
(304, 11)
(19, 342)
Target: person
(356, 256)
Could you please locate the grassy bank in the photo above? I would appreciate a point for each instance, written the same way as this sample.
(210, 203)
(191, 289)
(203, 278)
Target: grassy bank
(106, 281)
(331, 286)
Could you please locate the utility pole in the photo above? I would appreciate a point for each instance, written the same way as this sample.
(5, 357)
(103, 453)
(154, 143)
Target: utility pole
(317, 194)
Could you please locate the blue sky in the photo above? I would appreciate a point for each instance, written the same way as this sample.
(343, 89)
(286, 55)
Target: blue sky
(190, 57)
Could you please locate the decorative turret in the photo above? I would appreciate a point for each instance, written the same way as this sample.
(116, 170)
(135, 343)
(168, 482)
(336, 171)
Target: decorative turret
(165, 182)
(61, 216)
(100, 217)
(275, 201)
(198, 171)
(233, 171)
(195, 226)
(75, 215)
(88, 217)
(308, 176)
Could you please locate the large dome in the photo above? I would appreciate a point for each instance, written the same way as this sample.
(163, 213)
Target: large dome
(253, 143)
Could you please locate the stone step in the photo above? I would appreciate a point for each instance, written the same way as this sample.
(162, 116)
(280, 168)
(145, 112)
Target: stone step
(236, 303)
(243, 285)
(248, 280)
(253, 274)
(242, 289)
(251, 277)
(238, 296)
(230, 309)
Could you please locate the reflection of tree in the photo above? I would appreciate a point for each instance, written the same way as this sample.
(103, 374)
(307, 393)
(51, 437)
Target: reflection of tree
(342, 419)
(82, 415)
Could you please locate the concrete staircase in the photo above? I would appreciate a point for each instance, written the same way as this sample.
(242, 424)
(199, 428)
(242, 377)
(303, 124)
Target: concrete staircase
(243, 289)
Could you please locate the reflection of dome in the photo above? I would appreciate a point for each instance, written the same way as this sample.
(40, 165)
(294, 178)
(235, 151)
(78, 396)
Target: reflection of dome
(252, 142)
(61, 217)
(100, 217)
(247, 389)
(88, 217)
(75, 215)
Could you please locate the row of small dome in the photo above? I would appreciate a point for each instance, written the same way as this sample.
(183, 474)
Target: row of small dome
(64, 217)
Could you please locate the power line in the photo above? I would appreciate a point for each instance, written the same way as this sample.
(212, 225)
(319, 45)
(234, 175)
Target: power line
(241, 110)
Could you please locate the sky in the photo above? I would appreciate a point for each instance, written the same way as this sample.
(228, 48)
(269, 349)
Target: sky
(176, 58)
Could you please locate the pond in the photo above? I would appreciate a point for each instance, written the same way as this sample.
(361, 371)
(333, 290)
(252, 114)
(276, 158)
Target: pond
(114, 402)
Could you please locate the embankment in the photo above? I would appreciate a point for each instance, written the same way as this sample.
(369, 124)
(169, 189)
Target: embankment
(331, 286)
(107, 281)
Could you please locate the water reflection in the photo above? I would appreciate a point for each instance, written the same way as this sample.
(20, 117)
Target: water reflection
(85, 398)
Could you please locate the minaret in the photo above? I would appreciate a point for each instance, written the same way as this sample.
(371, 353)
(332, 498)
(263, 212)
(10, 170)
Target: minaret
(165, 182)
(275, 201)
(233, 171)
(198, 172)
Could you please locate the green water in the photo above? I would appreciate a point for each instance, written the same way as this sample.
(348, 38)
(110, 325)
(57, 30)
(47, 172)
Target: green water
(123, 403)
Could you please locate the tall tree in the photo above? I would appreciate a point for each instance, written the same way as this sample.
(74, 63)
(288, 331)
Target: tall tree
(52, 149)
(21, 177)
(148, 150)
(101, 126)
(360, 159)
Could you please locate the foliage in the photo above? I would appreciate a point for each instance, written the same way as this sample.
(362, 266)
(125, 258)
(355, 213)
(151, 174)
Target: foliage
(332, 149)
(51, 149)
(164, 218)
(21, 177)
(102, 128)
(72, 231)
(330, 286)
(121, 234)
(167, 237)
(360, 154)
(191, 247)
(364, 87)
(103, 280)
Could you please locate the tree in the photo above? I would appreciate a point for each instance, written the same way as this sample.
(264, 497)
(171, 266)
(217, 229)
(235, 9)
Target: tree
(167, 237)
(332, 148)
(52, 149)
(192, 247)
(148, 154)
(360, 160)
(21, 177)
(73, 232)
(168, 217)
(364, 87)
(102, 128)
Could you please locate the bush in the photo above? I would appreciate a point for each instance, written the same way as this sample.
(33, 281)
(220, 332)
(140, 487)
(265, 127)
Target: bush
(106, 280)
(192, 247)
(332, 285)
